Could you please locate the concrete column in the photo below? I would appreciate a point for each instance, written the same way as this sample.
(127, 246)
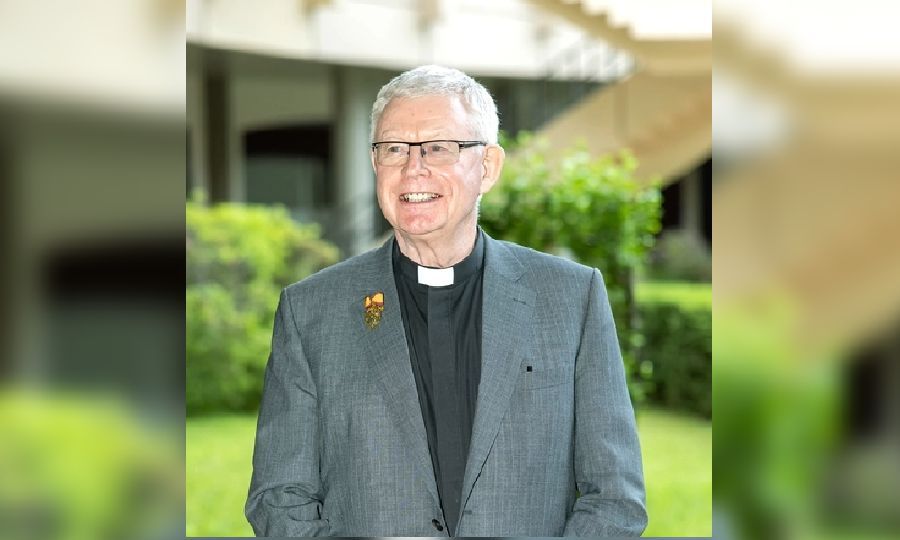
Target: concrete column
(237, 182)
(892, 382)
(224, 156)
(216, 124)
(196, 120)
(355, 90)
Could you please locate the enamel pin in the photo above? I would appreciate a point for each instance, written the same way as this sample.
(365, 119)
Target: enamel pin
(374, 305)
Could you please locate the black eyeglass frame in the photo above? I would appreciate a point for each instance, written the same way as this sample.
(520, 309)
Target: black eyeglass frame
(462, 144)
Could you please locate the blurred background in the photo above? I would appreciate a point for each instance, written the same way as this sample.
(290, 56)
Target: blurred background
(108, 125)
(806, 269)
(91, 269)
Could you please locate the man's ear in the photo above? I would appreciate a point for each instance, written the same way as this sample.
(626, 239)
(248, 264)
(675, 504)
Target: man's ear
(491, 166)
(372, 161)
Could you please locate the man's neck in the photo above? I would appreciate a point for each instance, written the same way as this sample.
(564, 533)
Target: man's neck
(442, 253)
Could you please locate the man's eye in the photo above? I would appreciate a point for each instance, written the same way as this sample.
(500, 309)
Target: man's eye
(395, 149)
(438, 148)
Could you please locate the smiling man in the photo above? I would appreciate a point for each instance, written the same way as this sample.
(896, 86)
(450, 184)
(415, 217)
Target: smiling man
(446, 383)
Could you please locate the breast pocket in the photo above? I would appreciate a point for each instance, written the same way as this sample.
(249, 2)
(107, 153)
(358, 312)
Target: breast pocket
(539, 377)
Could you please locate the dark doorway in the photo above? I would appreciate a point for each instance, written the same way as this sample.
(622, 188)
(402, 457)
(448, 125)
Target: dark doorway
(290, 165)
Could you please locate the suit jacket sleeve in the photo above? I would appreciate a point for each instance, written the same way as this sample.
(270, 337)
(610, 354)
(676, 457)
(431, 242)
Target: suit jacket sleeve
(285, 489)
(608, 471)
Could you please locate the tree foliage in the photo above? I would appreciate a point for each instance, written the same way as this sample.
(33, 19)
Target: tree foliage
(592, 210)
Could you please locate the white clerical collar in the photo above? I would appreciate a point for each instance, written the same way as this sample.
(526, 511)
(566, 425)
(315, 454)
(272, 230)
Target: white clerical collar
(435, 277)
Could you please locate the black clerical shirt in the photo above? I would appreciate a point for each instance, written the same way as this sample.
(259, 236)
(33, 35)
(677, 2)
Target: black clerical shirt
(443, 333)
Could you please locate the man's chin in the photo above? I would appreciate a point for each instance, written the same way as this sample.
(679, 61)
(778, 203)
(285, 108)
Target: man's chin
(417, 222)
(419, 232)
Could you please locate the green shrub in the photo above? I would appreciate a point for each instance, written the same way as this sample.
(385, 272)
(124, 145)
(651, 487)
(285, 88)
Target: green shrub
(676, 320)
(238, 260)
(590, 209)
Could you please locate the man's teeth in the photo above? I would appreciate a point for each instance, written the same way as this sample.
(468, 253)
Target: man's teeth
(419, 197)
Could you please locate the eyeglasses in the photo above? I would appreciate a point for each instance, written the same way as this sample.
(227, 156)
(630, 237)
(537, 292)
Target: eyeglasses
(396, 153)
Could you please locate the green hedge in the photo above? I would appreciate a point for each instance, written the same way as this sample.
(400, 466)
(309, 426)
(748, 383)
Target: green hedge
(238, 260)
(676, 320)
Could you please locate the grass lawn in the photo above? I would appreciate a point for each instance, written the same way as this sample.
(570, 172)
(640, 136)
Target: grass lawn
(675, 292)
(218, 450)
(677, 453)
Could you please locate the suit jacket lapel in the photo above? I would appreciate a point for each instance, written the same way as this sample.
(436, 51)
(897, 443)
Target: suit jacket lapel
(385, 345)
(507, 311)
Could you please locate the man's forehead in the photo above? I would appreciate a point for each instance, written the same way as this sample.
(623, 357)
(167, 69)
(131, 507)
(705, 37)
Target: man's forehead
(422, 134)
(425, 106)
(433, 114)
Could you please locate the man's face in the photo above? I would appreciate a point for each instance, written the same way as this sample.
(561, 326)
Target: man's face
(457, 186)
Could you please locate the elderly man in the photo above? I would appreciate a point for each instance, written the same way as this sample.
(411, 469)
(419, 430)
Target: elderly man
(446, 383)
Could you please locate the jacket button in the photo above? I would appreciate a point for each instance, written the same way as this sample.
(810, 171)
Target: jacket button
(437, 524)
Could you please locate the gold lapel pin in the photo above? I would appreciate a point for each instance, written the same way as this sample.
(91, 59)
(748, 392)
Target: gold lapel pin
(374, 305)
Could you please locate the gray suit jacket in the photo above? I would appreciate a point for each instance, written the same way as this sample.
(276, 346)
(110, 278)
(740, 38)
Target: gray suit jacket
(341, 448)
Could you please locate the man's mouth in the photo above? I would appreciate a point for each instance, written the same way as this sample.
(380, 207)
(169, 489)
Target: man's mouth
(419, 197)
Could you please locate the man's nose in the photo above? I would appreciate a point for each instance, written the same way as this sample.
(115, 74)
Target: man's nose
(416, 159)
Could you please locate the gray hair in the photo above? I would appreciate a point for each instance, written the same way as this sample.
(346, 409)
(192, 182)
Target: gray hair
(442, 81)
